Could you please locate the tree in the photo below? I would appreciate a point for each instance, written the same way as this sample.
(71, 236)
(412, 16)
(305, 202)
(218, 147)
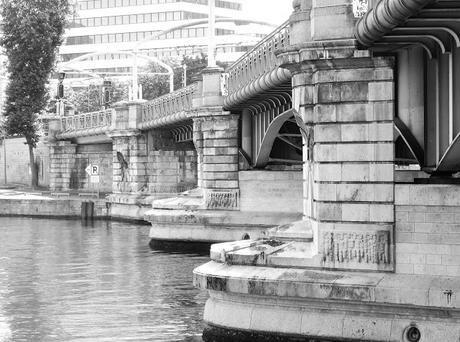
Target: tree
(90, 99)
(155, 86)
(32, 32)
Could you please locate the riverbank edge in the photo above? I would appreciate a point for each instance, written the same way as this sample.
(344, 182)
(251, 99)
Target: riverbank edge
(64, 208)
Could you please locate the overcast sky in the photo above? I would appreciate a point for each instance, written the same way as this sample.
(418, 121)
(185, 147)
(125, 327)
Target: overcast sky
(273, 11)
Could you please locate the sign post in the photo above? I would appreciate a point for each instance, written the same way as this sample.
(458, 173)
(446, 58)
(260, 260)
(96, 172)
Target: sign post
(93, 172)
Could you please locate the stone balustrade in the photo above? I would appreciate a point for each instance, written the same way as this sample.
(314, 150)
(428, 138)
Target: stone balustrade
(258, 69)
(168, 109)
(93, 123)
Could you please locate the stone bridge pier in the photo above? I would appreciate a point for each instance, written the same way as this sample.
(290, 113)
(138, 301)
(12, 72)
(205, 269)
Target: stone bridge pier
(356, 267)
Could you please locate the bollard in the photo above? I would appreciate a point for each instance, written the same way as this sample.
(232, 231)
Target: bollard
(87, 210)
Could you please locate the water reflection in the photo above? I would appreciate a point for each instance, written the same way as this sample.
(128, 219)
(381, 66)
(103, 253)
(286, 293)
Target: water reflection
(64, 281)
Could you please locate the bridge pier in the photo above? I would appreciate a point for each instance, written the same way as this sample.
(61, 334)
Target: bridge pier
(355, 268)
(216, 140)
(347, 104)
(62, 164)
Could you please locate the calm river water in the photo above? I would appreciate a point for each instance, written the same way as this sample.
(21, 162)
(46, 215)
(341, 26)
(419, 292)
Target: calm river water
(63, 281)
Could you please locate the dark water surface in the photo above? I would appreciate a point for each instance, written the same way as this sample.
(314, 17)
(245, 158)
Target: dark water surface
(63, 281)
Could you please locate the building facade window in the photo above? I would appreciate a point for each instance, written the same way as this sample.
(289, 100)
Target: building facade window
(97, 4)
(136, 18)
(137, 36)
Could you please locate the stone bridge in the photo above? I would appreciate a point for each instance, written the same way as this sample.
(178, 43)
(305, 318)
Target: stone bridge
(341, 131)
(205, 136)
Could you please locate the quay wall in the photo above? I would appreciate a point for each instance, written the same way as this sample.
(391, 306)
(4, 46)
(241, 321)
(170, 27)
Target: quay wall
(50, 207)
(17, 162)
(69, 161)
(427, 229)
(94, 154)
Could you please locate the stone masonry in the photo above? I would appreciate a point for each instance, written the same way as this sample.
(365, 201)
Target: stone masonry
(62, 162)
(345, 98)
(129, 162)
(218, 149)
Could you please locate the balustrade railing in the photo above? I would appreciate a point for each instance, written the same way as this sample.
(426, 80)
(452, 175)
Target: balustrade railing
(169, 107)
(78, 122)
(259, 60)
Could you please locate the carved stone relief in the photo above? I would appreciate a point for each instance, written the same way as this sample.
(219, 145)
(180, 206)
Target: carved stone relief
(222, 199)
(369, 248)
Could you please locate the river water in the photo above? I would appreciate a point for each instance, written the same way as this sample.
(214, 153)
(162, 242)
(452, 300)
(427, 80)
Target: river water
(61, 280)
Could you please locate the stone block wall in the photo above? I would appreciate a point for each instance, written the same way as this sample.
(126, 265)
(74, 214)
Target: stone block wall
(273, 191)
(62, 162)
(68, 163)
(172, 171)
(427, 232)
(97, 154)
(17, 162)
(129, 162)
(348, 106)
(215, 135)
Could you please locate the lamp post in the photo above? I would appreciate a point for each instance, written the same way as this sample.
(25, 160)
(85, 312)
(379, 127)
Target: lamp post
(211, 35)
(60, 94)
(184, 66)
(4, 158)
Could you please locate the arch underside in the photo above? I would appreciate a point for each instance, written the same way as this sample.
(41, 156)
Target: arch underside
(392, 27)
(281, 143)
(276, 138)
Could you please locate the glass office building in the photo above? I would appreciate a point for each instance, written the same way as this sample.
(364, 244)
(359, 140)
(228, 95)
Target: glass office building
(108, 27)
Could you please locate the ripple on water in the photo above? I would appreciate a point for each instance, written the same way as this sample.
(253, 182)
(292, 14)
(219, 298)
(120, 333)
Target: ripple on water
(61, 281)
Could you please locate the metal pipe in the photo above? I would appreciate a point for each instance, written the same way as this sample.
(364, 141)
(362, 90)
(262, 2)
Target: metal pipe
(385, 16)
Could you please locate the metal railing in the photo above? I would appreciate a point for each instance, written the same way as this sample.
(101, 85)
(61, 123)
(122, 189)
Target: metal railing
(99, 119)
(168, 108)
(259, 60)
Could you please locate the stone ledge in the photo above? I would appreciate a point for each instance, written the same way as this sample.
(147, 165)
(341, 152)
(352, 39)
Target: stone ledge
(377, 288)
(266, 318)
(219, 217)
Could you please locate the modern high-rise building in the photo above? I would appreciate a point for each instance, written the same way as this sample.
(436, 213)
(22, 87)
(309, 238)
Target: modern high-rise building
(109, 27)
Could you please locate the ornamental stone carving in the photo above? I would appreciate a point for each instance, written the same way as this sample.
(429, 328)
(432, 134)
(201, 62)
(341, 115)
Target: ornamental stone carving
(345, 247)
(222, 199)
(360, 8)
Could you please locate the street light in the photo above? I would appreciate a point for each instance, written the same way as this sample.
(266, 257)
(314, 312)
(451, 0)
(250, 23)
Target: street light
(60, 95)
(184, 82)
(3, 135)
(211, 35)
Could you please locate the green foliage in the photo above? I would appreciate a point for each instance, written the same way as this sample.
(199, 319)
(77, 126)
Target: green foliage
(32, 31)
(90, 99)
(154, 86)
(194, 67)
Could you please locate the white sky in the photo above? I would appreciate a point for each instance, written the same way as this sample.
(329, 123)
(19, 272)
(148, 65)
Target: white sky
(272, 11)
